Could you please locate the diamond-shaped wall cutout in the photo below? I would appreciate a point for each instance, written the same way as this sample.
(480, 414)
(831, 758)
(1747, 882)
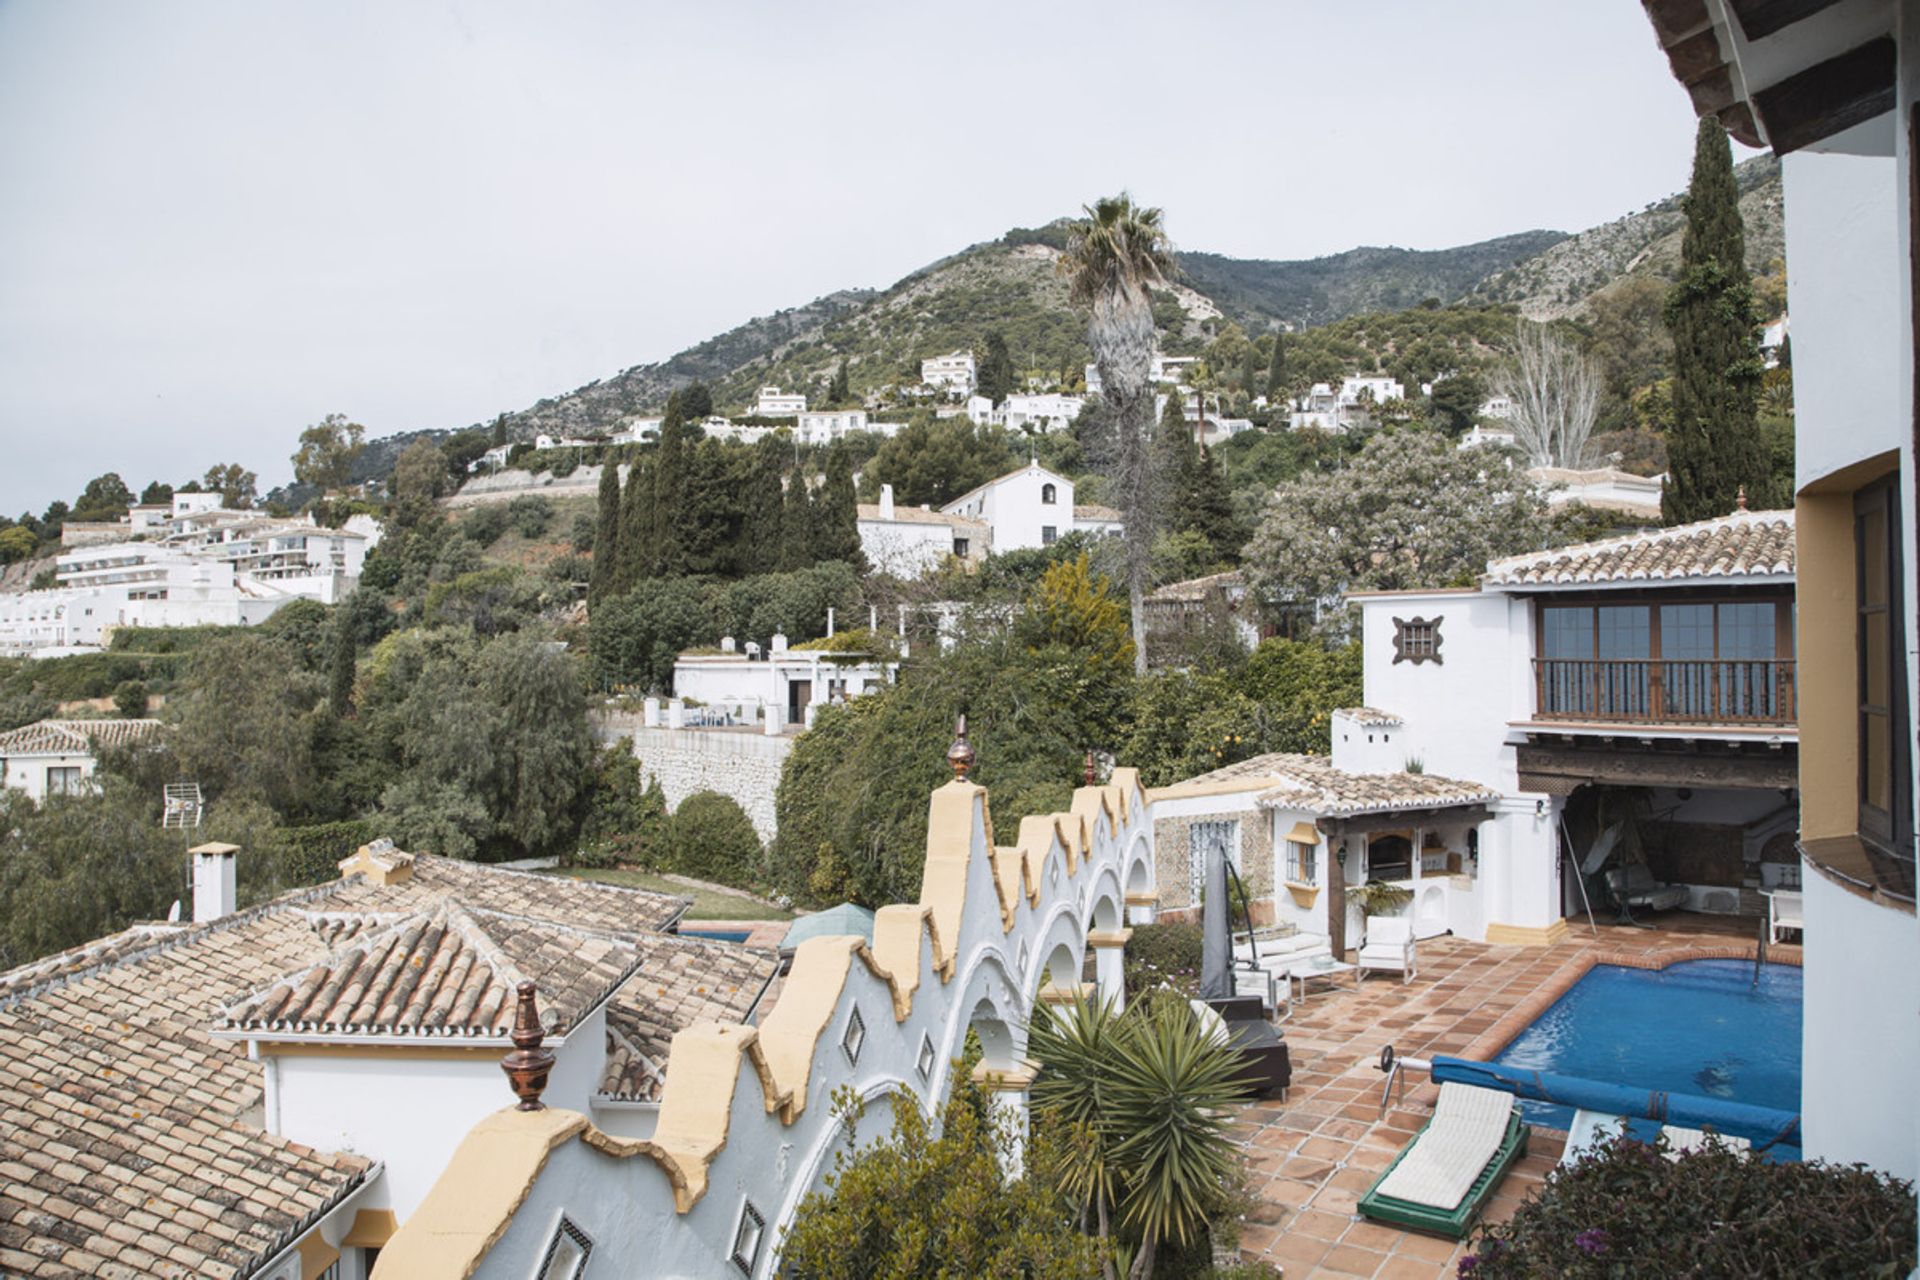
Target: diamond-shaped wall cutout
(854, 1037)
(925, 1063)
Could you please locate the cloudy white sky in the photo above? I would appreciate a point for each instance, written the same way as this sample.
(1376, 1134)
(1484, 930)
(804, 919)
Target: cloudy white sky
(221, 221)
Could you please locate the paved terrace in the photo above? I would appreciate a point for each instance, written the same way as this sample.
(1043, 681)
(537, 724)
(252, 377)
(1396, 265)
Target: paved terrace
(1314, 1155)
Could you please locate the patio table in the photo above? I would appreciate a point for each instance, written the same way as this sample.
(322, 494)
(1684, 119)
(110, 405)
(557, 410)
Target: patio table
(1321, 966)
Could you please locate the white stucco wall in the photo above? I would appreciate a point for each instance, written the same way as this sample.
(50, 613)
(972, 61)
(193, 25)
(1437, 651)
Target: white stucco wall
(28, 773)
(364, 1102)
(999, 963)
(907, 549)
(1861, 1054)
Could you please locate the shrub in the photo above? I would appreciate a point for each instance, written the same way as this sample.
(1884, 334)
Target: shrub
(626, 818)
(130, 698)
(583, 532)
(312, 854)
(484, 524)
(530, 514)
(711, 837)
(1167, 952)
(1628, 1210)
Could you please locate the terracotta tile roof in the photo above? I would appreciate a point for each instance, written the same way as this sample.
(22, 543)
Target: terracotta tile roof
(1747, 544)
(1194, 589)
(130, 1138)
(443, 972)
(918, 515)
(681, 981)
(73, 737)
(1313, 784)
(1094, 511)
(1371, 716)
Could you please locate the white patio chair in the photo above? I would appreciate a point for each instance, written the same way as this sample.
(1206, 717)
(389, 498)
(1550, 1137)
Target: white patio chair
(1389, 946)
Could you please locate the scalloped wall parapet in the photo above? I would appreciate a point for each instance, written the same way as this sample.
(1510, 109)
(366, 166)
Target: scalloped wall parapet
(745, 1126)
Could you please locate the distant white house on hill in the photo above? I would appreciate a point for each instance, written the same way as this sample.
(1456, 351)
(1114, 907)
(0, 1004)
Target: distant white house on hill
(1324, 408)
(1031, 507)
(57, 757)
(908, 542)
(1039, 414)
(952, 372)
(826, 426)
(775, 403)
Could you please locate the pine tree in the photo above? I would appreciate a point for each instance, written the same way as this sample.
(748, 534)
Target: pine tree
(796, 524)
(606, 529)
(1277, 368)
(667, 553)
(840, 390)
(499, 431)
(1714, 447)
(1206, 507)
(1174, 457)
(836, 516)
(761, 509)
(994, 377)
(696, 402)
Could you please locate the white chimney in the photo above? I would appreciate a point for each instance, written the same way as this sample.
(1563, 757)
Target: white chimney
(779, 642)
(215, 889)
(829, 620)
(886, 502)
(726, 644)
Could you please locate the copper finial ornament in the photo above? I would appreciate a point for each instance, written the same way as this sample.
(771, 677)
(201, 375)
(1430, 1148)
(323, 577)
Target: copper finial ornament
(527, 1066)
(960, 754)
(1740, 499)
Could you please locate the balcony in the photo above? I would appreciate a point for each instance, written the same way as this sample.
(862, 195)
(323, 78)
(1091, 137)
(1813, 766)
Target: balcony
(1670, 691)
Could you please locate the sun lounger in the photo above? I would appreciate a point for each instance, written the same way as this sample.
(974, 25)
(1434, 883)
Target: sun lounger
(1441, 1179)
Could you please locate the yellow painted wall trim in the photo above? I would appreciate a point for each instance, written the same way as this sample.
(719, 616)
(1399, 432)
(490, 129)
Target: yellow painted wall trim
(1226, 787)
(316, 1255)
(1004, 1080)
(792, 1029)
(476, 1196)
(1108, 937)
(1067, 995)
(1007, 877)
(1303, 894)
(1519, 935)
(897, 931)
(371, 1229)
(1125, 780)
(1143, 899)
(696, 1102)
(943, 884)
(1040, 835)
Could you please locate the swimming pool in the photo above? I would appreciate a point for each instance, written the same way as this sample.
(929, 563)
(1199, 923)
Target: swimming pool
(722, 935)
(1698, 1026)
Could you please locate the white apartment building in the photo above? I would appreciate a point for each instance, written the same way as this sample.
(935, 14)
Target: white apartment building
(1035, 413)
(1030, 507)
(209, 567)
(953, 372)
(823, 426)
(1168, 370)
(909, 542)
(775, 403)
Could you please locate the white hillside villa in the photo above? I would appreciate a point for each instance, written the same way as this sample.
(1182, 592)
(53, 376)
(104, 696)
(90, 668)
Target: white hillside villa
(775, 403)
(1035, 414)
(1030, 507)
(1325, 408)
(826, 426)
(1643, 684)
(954, 372)
(778, 690)
(909, 542)
(202, 565)
(57, 757)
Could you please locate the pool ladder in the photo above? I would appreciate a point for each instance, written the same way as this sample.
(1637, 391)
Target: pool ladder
(1760, 951)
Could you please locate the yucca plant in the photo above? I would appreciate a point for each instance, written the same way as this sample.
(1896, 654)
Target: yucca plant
(1145, 1098)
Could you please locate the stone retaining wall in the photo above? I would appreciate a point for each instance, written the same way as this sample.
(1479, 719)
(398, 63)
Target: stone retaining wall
(744, 765)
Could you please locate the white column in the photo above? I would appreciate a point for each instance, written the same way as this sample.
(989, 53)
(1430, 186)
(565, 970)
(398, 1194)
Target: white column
(1141, 908)
(1109, 964)
(1007, 1093)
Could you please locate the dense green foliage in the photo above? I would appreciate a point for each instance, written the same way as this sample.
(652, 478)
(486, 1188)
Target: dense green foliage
(1164, 953)
(931, 1201)
(932, 461)
(1626, 1209)
(1716, 354)
(711, 837)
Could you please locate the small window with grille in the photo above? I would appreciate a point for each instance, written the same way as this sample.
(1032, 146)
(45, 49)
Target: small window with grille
(1416, 640)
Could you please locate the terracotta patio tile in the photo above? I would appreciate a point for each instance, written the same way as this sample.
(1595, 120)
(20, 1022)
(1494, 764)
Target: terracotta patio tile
(1321, 1226)
(1402, 1267)
(1427, 1248)
(1352, 1260)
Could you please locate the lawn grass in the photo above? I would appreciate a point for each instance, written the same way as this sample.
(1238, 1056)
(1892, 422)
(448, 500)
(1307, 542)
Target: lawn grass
(707, 905)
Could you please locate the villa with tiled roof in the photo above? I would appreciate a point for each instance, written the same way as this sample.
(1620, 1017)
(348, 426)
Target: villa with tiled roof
(56, 757)
(268, 1092)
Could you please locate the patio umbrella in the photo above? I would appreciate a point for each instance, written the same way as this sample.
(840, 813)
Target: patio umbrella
(1216, 931)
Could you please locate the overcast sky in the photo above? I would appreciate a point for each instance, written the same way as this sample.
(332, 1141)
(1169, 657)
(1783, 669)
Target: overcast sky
(219, 222)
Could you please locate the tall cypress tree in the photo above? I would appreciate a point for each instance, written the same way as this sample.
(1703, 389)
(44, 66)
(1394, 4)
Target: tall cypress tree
(796, 524)
(341, 664)
(762, 503)
(836, 516)
(712, 511)
(1713, 449)
(634, 564)
(840, 390)
(994, 376)
(667, 552)
(1277, 367)
(606, 529)
(1206, 506)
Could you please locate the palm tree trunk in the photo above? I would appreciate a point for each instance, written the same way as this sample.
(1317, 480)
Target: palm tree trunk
(1137, 602)
(1106, 1258)
(1143, 1260)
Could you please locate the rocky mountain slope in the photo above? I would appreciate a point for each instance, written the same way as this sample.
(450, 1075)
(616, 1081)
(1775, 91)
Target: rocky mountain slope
(1560, 280)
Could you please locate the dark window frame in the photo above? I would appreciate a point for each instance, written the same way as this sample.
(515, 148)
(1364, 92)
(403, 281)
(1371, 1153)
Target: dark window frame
(1890, 828)
(1418, 640)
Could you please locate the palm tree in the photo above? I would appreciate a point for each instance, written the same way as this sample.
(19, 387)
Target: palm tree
(1145, 1098)
(1114, 256)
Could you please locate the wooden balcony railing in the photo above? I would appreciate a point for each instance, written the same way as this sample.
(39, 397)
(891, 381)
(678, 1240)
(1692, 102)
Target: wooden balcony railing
(1739, 691)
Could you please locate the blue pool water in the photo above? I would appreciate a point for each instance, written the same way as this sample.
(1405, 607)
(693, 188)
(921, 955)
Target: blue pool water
(724, 935)
(1699, 1027)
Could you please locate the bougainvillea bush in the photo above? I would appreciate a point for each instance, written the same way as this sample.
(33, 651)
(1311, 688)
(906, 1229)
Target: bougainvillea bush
(1630, 1209)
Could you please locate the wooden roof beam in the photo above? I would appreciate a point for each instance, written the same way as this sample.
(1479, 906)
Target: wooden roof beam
(1829, 96)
